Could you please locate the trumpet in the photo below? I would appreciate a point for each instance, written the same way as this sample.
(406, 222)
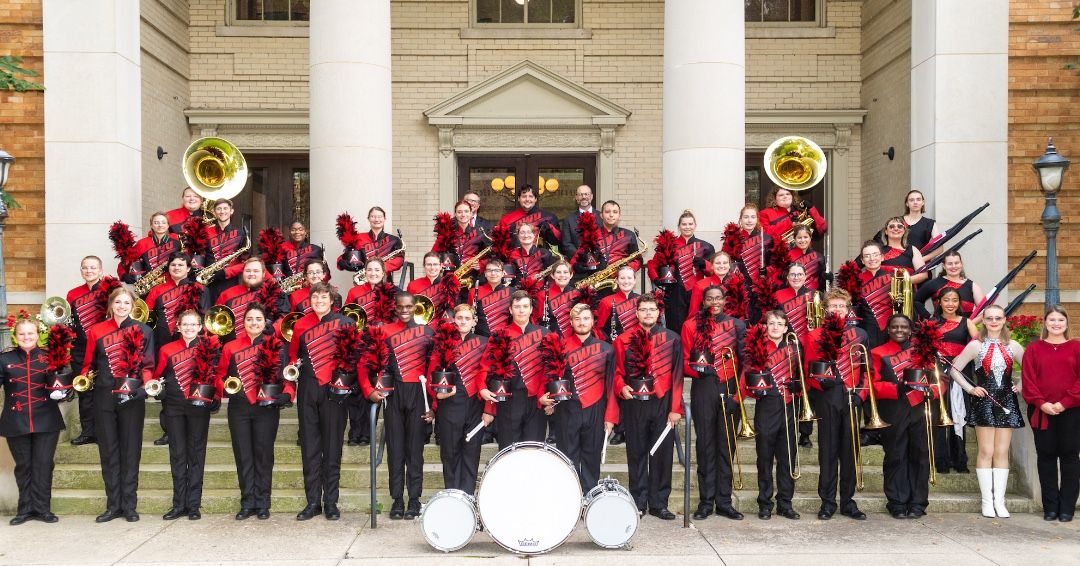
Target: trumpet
(153, 387)
(233, 385)
(291, 372)
(901, 293)
(55, 310)
(84, 383)
(875, 423)
(744, 429)
(219, 320)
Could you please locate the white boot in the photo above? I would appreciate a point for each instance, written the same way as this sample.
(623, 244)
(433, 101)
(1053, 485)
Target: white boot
(1001, 481)
(986, 486)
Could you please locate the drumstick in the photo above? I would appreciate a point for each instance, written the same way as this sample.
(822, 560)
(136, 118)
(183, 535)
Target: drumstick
(663, 435)
(423, 389)
(603, 452)
(1005, 409)
(476, 429)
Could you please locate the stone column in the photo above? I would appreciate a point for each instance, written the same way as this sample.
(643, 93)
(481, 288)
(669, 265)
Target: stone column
(351, 141)
(93, 132)
(704, 113)
(959, 122)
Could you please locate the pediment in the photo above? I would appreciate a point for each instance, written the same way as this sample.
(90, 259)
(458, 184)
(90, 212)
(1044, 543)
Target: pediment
(527, 94)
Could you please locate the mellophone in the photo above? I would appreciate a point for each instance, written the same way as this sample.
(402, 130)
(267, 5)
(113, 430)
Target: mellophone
(452, 517)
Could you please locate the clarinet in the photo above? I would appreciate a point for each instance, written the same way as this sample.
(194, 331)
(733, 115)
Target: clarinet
(613, 332)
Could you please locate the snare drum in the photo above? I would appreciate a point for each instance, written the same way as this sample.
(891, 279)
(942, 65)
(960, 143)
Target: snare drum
(521, 514)
(448, 521)
(611, 516)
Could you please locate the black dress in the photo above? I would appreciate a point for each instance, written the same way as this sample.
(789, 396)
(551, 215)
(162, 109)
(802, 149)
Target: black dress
(993, 372)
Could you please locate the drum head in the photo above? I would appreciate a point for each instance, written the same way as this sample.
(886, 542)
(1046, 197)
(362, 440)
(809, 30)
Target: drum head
(529, 498)
(611, 518)
(448, 520)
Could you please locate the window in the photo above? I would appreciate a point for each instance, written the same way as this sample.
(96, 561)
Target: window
(272, 10)
(551, 13)
(782, 11)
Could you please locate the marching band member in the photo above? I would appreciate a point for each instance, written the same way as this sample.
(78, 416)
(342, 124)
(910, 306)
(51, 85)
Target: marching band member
(491, 300)
(921, 228)
(876, 282)
(182, 365)
(468, 240)
(616, 313)
(89, 304)
(649, 353)
(431, 286)
(571, 238)
(832, 343)
(254, 411)
(321, 411)
(780, 217)
(191, 205)
(225, 239)
(175, 295)
(579, 421)
(617, 243)
(298, 250)
(366, 295)
(956, 331)
(375, 243)
(410, 347)
(153, 250)
(460, 409)
(558, 301)
(793, 300)
(993, 392)
(809, 258)
(691, 259)
(705, 337)
(722, 275)
(31, 422)
(953, 277)
(898, 252)
(754, 253)
(256, 286)
(315, 271)
(770, 378)
(544, 223)
(1051, 372)
(118, 349)
(527, 259)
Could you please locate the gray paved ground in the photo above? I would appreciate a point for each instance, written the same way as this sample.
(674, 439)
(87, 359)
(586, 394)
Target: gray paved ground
(944, 539)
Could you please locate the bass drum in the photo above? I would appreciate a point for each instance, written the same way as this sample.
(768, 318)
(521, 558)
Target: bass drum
(529, 498)
(448, 521)
(611, 516)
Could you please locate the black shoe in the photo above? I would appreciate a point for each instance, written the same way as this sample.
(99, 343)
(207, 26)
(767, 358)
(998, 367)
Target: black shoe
(47, 517)
(729, 512)
(617, 439)
(899, 514)
(414, 509)
(397, 510)
(824, 514)
(854, 513)
(298, 442)
(83, 439)
(131, 516)
(764, 514)
(788, 514)
(310, 511)
(353, 442)
(804, 441)
(19, 519)
(174, 514)
(870, 439)
(1050, 516)
(163, 441)
(662, 514)
(916, 513)
(703, 511)
(244, 513)
(107, 516)
(332, 512)
(194, 514)
(363, 441)
(962, 470)
(262, 514)
(942, 470)
(1064, 518)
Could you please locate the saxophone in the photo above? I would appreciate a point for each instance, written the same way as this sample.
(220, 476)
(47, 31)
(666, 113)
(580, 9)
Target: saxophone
(150, 279)
(292, 282)
(602, 279)
(546, 272)
(209, 271)
(359, 277)
(467, 266)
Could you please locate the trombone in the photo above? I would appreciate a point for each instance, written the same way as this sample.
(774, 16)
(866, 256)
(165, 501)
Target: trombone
(806, 412)
(745, 430)
(944, 420)
(876, 422)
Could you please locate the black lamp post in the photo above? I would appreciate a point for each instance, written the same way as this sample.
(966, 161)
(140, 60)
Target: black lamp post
(5, 166)
(1050, 168)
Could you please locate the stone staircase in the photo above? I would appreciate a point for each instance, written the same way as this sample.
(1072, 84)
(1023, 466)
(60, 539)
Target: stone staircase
(78, 487)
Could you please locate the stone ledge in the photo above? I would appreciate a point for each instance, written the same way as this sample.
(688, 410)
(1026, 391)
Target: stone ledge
(525, 33)
(766, 31)
(292, 30)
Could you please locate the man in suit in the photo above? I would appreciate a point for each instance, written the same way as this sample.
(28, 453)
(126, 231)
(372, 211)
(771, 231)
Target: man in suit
(474, 201)
(571, 240)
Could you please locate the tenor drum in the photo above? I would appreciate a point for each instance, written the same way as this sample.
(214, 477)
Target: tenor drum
(448, 521)
(611, 516)
(529, 498)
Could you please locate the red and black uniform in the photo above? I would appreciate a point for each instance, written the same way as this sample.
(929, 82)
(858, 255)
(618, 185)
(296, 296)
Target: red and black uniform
(896, 257)
(545, 222)
(253, 428)
(691, 257)
(406, 432)
(920, 233)
(119, 427)
(492, 308)
(224, 242)
(618, 243)
(778, 220)
(756, 252)
(528, 263)
(830, 398)
(359, 407)
(520, 417)
(239, 296)
(879, 306)
(1052, 375)
(322, 414)
(734, 277)
(650, 476)
(467, 244)
(793, 302)
(457, 415)
(949, 448)
(579, 422)
(298, 253)
(714, 403)
(178, 216)
(152, 252)
(774, 423)
(556, 308)
(814, 265)
(188, 425)
(31, 423)
(907, 456)
(165, 304)
(617, 314)
(372, 245)
(432, 290)
(300, 301)
(932, 289)
(87, 309)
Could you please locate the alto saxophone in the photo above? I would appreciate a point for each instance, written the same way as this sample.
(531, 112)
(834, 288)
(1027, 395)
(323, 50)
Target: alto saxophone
(359, 277)
(292, 283)
(468, 266)
(208, 272)
(602, 278)
(150, 279)
(544, 274)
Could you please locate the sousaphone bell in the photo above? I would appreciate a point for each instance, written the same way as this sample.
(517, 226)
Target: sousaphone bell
(795, 163)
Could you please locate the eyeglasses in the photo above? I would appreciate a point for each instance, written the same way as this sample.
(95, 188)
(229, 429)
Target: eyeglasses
(796, 275)
(896, 226)
(648, 309)
(872, 256)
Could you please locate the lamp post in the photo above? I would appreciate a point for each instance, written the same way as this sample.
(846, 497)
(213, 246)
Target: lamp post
(1050, 169)
(5, 165)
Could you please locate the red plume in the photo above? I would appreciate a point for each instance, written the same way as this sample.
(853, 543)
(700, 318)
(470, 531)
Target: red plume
(705, 325)
(271, 246)
(61, 339)
(848, 279)
(665, 250)
(779, 257)
(346, 230)
(534, 287)
(500, 356)
(832, 334)
(190, 298)
(447, 338)
(376, 354)
(552, 356)
(129, 362)
(123, 242)
(763, 289)
(348, 345)
(269, 296)
(754, 350)
(383, 306)
(446, 233)
(661, 298)
(105, 287)
(735, 300)
(193, 236)
(925, 343)
(451, 287)
(268, 359)
(589, 296)
(501, 242)
(734, 240)
(639, 353)
(207, 354)
(590, 235)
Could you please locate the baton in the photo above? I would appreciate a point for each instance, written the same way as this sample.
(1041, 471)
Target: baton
(476, 429)
(988, 395)
(663, 435)
(423, 389)
(603, 451)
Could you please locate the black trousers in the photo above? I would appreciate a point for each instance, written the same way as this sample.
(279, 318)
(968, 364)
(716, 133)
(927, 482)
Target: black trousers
(710, 402)
(579, 434)
(650, 476)
(775, 440)
(119, 434)
(456, 416)
(322, 432)
(836, 451)
(518, 419)
(406, 433)
(188, 427)
(162, 422)
(949, 448)
(1058, 446)
(907, 457)
(33, 454)
(678, 304)
(253, 430)
(359, 409)
(86, 413)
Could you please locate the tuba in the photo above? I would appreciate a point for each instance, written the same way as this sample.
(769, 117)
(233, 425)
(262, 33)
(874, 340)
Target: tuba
(55, 310)
(214, 168)
(903, 298)
(795, 163)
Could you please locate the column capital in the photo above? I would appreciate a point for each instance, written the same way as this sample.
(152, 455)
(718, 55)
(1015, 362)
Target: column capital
(607, 139)
(843, 137)
(446, 140)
